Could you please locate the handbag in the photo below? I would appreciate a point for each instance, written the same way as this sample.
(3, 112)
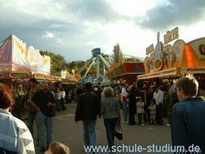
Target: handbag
(118, 131)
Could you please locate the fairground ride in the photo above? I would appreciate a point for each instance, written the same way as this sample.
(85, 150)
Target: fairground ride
(96, 59)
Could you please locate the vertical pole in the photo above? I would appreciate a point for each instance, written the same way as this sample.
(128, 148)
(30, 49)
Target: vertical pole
(98, 67)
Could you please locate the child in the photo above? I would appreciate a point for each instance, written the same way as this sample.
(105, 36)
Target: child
(57, 148)
(140, 110)
(118, 96)
(152, 110)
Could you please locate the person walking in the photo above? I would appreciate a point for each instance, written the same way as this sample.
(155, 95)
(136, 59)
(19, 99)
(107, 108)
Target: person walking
(44, 103)
(88, 107)
(110, 110)
(15, 136)
(188, 116)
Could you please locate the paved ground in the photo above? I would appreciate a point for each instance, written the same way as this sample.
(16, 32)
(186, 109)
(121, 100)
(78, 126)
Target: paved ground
(67, 131)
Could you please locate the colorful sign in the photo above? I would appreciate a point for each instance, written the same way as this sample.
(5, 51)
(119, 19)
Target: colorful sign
(199, 49)
(39, 76)
(38, 61)
(164, 57)
(178, 59)
(171, 35)
(14, 51)
(149, 49)
(192, 70)
(18, 75)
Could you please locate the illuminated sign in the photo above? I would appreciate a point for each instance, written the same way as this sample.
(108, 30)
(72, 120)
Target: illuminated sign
(171, 35)
(149, 49)
(193, 70)
(18, 75)
(39, 76)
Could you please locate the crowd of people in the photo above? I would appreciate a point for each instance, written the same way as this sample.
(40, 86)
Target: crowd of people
(40, 103)
(149, 102)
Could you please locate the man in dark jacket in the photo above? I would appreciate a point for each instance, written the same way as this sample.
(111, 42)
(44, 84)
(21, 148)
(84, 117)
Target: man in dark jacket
(188, 117)
(88, 108)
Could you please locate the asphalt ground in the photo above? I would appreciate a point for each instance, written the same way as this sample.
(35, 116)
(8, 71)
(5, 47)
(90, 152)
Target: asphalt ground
(136, 139)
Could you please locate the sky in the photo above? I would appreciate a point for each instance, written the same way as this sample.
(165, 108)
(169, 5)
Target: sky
(72, 28)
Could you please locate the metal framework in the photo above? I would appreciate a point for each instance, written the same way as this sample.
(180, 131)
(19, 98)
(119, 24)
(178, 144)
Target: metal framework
(95, 59)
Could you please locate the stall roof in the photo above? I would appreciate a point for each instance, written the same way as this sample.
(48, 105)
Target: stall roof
(69, 81)
(173, 72)
(126, 69)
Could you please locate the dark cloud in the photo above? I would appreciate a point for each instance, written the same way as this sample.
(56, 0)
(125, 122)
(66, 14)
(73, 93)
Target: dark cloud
(70, 21)
(93, 10)
(68, 26)
(33, 37)
(176, 12)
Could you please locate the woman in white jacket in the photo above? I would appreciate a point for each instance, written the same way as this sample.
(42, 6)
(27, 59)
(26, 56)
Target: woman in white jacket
(15, 136)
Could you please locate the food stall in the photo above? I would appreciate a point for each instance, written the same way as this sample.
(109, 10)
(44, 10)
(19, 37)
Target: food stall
(18, 64)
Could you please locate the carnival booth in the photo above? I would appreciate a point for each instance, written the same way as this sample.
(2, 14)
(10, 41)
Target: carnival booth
(173, 61)
(67, 78)
(126, 72)
(19, 63)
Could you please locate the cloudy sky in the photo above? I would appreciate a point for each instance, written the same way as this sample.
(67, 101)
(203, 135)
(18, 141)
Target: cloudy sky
(73, 28)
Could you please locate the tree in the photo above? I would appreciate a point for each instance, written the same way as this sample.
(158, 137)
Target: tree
(118, 58)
